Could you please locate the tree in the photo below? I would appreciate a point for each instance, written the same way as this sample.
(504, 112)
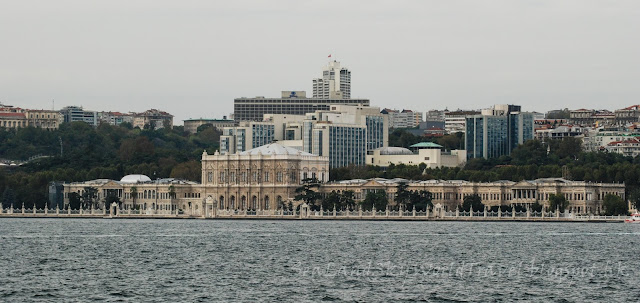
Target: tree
(614, 205)
(8, 198)
(537, 207)
(376, 198)
(203, 127)
(74, 200)
(133, 191)
(111, 199)
(307, 192)
(332, 200)
(472, 201)
(420, 200)
(89, 194)
(453, 141)
(558, 202)
(402, 194)
(347, 199)
(191, 170)
(634, 197)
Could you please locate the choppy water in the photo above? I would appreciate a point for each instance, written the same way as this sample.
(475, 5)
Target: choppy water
(194, 260)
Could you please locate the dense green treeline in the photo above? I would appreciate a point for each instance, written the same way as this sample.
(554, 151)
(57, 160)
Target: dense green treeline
(114, 151)
(402, 138)
(90, 153)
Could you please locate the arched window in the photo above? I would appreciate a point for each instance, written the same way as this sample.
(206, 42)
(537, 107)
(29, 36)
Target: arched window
(279, 201)
(254, 202)
(221, 206)
(244, 202)
(266, 202)
(232, 203)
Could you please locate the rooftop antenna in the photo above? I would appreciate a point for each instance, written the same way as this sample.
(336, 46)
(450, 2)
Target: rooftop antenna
(53, 104)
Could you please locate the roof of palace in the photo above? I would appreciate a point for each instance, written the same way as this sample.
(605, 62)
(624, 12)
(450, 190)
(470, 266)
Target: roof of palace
(275, 149)
(396, 181)
(135, 179)
(139, 179)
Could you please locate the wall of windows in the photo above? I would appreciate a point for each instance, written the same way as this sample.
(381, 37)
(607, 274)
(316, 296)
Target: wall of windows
(347, 145)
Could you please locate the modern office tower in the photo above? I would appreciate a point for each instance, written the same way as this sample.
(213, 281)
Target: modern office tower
(497, 131)
(344, 133)
(344, 144)
(290, 103)
(334, 84)
(454, 122)
(77, 113)
(245, 136)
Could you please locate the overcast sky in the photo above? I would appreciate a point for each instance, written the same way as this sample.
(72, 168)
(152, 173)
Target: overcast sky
(192, 58)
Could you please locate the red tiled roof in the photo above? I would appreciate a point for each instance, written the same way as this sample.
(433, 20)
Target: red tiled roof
(629, 141)
(12, 115)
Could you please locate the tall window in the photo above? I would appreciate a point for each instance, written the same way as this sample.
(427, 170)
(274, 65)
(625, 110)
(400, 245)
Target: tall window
(266, 176)
(279, 177)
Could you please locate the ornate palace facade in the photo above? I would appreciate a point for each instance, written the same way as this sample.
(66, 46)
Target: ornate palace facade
(583, 197)
(266, 178)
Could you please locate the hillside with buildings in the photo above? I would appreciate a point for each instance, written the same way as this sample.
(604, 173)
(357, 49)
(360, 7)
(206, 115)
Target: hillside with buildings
(356, 139)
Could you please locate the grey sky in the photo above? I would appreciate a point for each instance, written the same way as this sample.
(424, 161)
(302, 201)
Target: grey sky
(192, 58)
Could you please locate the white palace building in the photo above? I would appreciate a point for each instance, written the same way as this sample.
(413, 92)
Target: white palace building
(266, 177)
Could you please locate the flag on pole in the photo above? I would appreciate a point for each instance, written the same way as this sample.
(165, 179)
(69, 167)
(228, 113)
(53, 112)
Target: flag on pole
(329, 56)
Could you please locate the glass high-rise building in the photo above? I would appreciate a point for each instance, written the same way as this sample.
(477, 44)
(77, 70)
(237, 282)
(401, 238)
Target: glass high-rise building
(343, 144)
(496, 132)
(246, 136)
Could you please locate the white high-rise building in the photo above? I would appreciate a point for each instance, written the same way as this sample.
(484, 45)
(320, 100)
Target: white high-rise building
(344, 133)
(334, 84)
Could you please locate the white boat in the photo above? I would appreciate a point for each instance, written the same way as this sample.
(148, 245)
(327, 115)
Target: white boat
(634, 218)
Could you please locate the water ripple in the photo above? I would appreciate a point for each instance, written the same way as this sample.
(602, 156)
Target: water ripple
(334, 261)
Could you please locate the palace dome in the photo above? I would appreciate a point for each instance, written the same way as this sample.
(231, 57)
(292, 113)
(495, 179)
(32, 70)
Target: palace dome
(275, 149)
(135, 179)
